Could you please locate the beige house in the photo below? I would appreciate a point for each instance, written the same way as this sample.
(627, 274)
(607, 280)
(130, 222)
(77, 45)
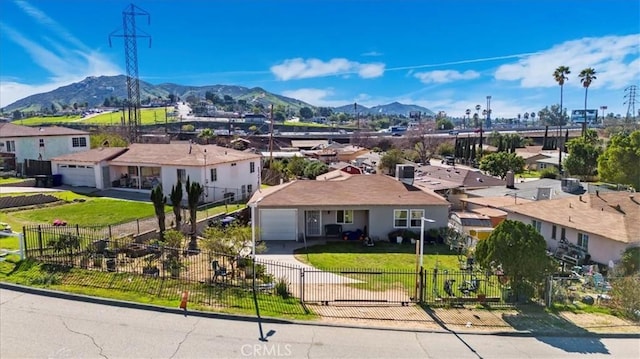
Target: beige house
(603, 225)
(373, 204)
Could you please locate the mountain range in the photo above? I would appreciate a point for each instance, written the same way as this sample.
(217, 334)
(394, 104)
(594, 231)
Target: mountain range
(95, 89)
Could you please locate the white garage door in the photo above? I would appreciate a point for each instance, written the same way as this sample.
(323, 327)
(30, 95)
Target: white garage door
(77, 175)
(279, 224)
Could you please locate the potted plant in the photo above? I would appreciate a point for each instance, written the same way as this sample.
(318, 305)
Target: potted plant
(150, 268)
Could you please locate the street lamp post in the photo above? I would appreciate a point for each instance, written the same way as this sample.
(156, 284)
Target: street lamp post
(253, 264)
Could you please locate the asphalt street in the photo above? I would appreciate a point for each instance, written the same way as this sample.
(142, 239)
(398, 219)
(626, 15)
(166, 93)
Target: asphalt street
(37, 326)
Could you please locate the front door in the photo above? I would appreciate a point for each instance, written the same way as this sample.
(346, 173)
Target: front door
(313, 223)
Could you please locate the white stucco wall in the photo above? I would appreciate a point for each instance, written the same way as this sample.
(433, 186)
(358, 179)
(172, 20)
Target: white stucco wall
(29, 147)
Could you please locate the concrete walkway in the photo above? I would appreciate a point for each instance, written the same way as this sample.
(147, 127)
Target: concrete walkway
(281, 262)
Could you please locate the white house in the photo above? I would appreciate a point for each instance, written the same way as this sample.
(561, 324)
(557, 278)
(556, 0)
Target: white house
(226, 174)
(88, 168)
(601, 225)
(40, 143)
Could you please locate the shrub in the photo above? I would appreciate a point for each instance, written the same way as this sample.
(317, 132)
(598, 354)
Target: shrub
(550, 172)
(282, 288)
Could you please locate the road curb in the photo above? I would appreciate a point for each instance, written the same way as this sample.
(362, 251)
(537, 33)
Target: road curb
(271, 320)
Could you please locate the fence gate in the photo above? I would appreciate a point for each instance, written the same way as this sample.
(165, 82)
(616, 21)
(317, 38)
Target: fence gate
(358, 286)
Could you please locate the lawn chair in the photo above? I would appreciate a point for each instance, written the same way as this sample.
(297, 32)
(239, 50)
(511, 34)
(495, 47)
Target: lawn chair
(218, 271)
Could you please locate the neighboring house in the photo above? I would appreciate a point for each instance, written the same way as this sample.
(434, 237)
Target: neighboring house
(40, 143)
(491, 206)
(226, 174)
(602, 224)
(89, 168)
(547, 163)
(374, 204)
(452, 182)
(345, 167)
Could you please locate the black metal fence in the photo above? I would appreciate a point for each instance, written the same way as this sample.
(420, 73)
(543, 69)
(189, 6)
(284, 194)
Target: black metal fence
(95, 258)
(88, 258)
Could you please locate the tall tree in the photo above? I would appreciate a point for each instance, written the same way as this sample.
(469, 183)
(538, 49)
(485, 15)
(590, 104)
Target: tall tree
(586, 77)
(176, 202)
(583, 155)
(194, 193)
(499, 163)
(619, 162)
(207, 135)
(560, 75)
(519, 251)
(390, 159)
(159, 200)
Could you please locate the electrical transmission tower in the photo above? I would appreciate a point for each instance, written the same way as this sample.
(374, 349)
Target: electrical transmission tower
(130, 33)
(630, 96)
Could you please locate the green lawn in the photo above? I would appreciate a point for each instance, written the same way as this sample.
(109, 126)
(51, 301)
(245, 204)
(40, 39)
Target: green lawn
(93, 211)
(384, 255)
(150, 116)
(9, 180)
(47, 120)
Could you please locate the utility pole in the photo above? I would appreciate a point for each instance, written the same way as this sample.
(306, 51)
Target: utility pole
(270, 136)
(130, 35)
(631, 100)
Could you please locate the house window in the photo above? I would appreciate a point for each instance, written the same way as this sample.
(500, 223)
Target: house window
(182, 175)
(416, 217)
(243, 190)
(11, 146)
(214, 174)
(563, 234)
(400, 218)
(41, 141)
(79, 142)
(344, 216)
(252, 167)
(537, 225)
(583, 241)
(553, 232)
(250, 188)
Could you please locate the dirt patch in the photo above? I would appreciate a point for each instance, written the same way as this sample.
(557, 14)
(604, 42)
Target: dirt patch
(602, 323)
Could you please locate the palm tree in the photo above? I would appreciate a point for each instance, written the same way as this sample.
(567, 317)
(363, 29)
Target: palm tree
(560, 75)
(207, 134)
(533, 117)
(194, 193)
(468, 113)
(586, 77)
(159, 200)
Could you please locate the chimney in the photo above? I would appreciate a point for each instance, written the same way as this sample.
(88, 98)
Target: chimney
(510, 180)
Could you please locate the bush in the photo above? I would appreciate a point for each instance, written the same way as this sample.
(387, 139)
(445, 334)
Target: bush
(551, 172)
(282, 288)
(626, 296)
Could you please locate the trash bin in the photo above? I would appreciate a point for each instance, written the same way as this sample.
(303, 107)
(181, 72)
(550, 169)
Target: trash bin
(41, 180)
(49, 181)
(57, 180)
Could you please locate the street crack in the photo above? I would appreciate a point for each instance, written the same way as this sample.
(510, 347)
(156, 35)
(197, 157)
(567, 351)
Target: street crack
(185, 338)
(88, 336)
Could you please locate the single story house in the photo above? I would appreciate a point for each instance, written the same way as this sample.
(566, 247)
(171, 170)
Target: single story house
(373, 204)
(604, 225)
(226, 174)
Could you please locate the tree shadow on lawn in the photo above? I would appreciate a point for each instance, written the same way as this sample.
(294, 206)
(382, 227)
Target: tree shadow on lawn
(379, 247)
(554, 330)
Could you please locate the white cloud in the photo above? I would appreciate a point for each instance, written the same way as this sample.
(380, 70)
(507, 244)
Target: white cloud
(372, 53)
(444, 76)
(316, 97)
(62, 55)
(615, 59)
(300, 68)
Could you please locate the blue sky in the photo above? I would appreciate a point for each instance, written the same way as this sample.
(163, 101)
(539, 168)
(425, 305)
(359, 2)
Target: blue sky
(444, 55)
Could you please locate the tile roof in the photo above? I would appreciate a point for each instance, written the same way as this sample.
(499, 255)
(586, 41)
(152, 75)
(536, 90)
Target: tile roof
(360, 190)
(614, 215)
(180, 154)
(9, 129)
(94, 155)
